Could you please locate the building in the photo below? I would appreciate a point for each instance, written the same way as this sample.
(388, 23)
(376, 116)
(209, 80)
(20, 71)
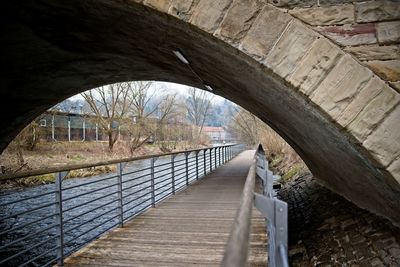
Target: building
(63, 126)
(216, 134)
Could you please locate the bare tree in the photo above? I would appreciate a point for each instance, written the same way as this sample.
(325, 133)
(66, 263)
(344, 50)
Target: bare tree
(110, 104)
(151, 112)
(168, 113)
(246, 126)
(198, 106)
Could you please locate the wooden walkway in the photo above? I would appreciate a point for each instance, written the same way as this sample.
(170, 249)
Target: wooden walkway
(190, 228)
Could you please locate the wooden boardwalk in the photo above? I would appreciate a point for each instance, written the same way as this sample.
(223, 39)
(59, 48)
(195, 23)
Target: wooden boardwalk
(190, 228)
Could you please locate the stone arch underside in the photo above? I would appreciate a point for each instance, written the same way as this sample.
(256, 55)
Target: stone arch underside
(341, 118)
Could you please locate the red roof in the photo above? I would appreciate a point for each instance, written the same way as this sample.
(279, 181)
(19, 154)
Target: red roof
(213, 129)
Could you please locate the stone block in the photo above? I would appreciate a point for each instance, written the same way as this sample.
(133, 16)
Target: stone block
(388, 32)
(264, 32)
(291, 47)
(336, 2)
(315, 65)
(394, 170)
(341, 85)
(161, 5)
(239, 19)
(332, 15)
(293, 3)
(377, 11)
(389, 70)
(209, 14)
(181, 8)
(372, 113)
(395, 85)
(350, 35)
(374, 52)
(369, 92)
(384, 141)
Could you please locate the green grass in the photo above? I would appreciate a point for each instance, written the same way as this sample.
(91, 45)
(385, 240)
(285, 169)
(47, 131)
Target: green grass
(36, 180)
(291, 173)
(77, 157)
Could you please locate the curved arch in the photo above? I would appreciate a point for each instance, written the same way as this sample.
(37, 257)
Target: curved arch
(334, 112)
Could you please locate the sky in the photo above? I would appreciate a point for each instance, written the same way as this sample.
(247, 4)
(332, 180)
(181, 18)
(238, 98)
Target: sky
(171, 87)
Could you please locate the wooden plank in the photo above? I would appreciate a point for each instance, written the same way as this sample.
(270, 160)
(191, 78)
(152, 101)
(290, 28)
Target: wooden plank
(191, 228)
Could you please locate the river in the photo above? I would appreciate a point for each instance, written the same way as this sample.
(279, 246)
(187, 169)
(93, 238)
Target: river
(90, 207)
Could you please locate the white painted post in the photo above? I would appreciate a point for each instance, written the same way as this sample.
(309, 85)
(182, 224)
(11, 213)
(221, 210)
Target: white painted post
(84, 130)
(97, 132)
(69, 130)
(52, 128)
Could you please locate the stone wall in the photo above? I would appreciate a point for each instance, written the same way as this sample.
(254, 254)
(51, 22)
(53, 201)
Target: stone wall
(341, 117)
(369, 30)
(351, 75)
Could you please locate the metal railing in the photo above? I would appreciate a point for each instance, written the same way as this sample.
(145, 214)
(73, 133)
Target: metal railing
(41, 226)
(274, 211)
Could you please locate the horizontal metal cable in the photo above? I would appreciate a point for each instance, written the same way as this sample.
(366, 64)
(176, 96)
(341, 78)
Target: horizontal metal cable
(90, 220)
(88, 183)
(134, 185)
(27, 211)
(136, 178)
(27, 198)
(114, 201)
(26, 224)
(87, 202)
(90, 192)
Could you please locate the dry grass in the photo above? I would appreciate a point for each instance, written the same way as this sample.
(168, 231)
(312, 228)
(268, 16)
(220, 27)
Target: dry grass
(284, 159)
(55, 154)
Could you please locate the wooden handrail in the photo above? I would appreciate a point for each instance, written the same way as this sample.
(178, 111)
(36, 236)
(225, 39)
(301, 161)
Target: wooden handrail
(237, 248)
(25, 174)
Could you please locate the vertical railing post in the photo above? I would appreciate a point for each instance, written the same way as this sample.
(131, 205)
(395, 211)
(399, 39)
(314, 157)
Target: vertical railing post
(153, 199)
(187, 167)
(120, 168)
(219, 155)
(215, 158)
(205, 161)
(281, 232)
(197, 165)
(223, 154)
(210, 159)
(173, 173)
(59, 217)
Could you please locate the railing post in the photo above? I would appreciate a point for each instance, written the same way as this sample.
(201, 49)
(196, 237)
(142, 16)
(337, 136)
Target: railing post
(205, 161)
(219, 156)
(281, 224)
(210, 159)
(59, 217)
(120, 168)
(215, 158)
(197, 165)
(223, 154)
(173, 173)
(153, 199)
(187, 167)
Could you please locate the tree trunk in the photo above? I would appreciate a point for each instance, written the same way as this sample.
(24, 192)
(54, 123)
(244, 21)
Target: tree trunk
(110, 141)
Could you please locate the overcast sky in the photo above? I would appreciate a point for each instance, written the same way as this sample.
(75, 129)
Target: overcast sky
(171, 87)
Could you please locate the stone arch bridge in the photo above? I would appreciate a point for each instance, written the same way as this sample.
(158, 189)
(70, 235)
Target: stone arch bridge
(324, 74)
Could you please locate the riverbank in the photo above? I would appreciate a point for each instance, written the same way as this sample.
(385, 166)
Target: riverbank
(58, 154)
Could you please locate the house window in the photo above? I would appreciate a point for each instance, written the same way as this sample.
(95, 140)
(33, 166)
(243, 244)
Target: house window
(42, 123)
